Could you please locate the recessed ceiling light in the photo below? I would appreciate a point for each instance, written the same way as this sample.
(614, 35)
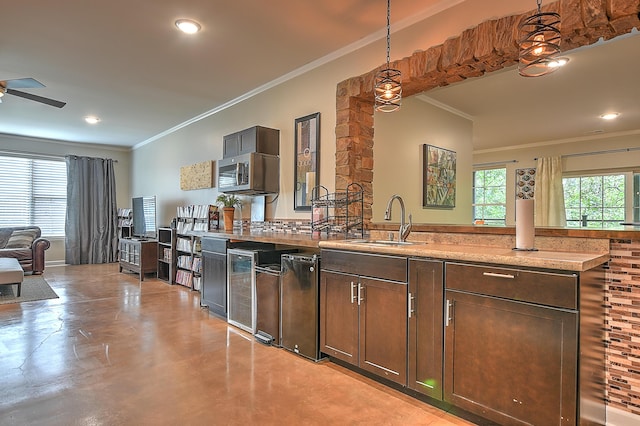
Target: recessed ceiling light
(610, 115)
(188, 26)
(91, 119)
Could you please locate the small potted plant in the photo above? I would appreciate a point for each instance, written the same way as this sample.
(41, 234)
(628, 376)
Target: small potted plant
(229, 202)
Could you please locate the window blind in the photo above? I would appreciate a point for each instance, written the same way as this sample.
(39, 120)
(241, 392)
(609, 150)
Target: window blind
(33, 192)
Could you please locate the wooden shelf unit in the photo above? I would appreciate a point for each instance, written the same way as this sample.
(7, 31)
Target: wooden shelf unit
(167, 255)
(187, 252)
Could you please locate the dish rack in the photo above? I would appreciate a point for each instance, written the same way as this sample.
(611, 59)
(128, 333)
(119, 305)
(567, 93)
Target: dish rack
(338, 212)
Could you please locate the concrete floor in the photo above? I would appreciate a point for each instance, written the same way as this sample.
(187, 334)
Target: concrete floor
(115, 351)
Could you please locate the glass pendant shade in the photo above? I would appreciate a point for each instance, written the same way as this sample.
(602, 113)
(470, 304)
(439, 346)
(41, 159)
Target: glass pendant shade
(539, 44)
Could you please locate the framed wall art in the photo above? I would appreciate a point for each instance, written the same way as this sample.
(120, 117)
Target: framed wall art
(439, 177)
(307, 160)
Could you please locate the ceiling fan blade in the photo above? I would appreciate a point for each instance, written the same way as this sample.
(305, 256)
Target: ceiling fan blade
(36, 98)
(21, 83)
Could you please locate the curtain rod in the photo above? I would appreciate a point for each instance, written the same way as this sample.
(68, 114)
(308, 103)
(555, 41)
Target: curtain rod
(86, 156)
(12, 153)
(609, 151)
(494, 163)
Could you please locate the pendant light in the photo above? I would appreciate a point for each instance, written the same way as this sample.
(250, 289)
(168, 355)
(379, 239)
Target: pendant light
(388, 90)
(539, 44)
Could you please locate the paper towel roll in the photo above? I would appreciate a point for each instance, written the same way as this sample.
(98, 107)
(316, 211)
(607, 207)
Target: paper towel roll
(525, 228)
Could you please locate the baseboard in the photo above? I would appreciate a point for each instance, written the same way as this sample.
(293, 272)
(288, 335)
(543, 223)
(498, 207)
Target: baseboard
(54, 263)
(617, 417)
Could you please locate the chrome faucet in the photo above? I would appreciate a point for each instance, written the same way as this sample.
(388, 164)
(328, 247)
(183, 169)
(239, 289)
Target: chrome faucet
(405, 229)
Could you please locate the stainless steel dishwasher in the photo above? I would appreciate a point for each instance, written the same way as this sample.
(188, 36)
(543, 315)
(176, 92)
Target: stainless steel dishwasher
(299, 307)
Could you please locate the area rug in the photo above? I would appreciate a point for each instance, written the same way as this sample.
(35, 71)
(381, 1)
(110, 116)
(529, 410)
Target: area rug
(34, 287)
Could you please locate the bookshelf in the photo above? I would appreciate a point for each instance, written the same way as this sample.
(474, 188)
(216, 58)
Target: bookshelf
(125, 223)
(187, 253)
(166, 254)
(203, 217)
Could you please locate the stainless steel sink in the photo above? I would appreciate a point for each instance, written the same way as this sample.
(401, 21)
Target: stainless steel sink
(385, 242)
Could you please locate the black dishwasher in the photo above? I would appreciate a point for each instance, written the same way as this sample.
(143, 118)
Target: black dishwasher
(299, 308)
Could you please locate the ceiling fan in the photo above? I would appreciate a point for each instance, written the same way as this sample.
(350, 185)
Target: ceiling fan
(8, 87)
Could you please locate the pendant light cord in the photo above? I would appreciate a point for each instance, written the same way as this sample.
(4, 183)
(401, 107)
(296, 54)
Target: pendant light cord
(388, 30)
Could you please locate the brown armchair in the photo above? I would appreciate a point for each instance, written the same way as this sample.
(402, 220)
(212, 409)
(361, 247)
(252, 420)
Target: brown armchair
(25, 244)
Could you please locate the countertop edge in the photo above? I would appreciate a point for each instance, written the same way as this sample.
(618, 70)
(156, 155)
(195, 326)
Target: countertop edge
(568, 261)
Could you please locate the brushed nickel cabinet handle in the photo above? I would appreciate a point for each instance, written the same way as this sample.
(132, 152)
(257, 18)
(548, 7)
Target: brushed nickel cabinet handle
(448, 313)
(493, 274)
(353, 295)
(409, 300)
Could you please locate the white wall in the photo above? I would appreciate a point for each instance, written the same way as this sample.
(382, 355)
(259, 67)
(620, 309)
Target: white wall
(398, 165)
(46, 147)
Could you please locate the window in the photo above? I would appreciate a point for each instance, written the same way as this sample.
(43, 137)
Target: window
(33, 192)
(595, 201)
(490, 196)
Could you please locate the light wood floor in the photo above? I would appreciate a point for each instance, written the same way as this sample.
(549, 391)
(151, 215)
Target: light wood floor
(114, 351)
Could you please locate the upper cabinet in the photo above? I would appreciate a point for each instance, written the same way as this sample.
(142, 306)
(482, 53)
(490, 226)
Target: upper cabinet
(254, 139)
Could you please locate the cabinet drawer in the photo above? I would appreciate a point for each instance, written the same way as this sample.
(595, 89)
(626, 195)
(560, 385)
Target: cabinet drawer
(381, 266)
(545, 288)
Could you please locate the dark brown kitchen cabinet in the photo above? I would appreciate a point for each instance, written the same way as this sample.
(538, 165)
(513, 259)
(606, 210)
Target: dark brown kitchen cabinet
(426, 293)
(339, 316)
(253, 139)
(511, 345)
(363, 317)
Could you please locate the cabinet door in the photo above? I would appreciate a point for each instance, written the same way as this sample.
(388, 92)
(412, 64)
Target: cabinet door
(339, 316)
(383, 328)
(247, 141)
(230, 145)
(511, 362)
(426, 340)
(214, 285)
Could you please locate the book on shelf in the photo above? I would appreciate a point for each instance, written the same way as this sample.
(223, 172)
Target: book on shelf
(183, 227)
(201, 217)
(184, 244)
(184, 278)
(167, 254)
(124, 217)
(197, 283)
(184, 262)
(196, 264)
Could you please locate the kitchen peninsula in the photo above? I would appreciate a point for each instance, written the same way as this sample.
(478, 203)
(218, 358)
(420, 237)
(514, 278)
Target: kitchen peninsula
(451, 317)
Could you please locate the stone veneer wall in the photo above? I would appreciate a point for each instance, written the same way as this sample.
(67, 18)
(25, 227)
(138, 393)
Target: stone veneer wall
(623, 326)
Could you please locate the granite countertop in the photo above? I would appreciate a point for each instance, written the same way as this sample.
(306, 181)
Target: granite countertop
(562, 260)
(568, 261)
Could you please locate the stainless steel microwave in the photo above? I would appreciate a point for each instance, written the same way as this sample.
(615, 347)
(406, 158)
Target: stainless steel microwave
(251, 174)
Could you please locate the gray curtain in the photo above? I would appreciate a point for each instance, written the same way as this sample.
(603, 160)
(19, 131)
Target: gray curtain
(91, 222)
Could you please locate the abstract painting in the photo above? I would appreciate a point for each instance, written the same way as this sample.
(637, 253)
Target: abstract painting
(439, 177)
